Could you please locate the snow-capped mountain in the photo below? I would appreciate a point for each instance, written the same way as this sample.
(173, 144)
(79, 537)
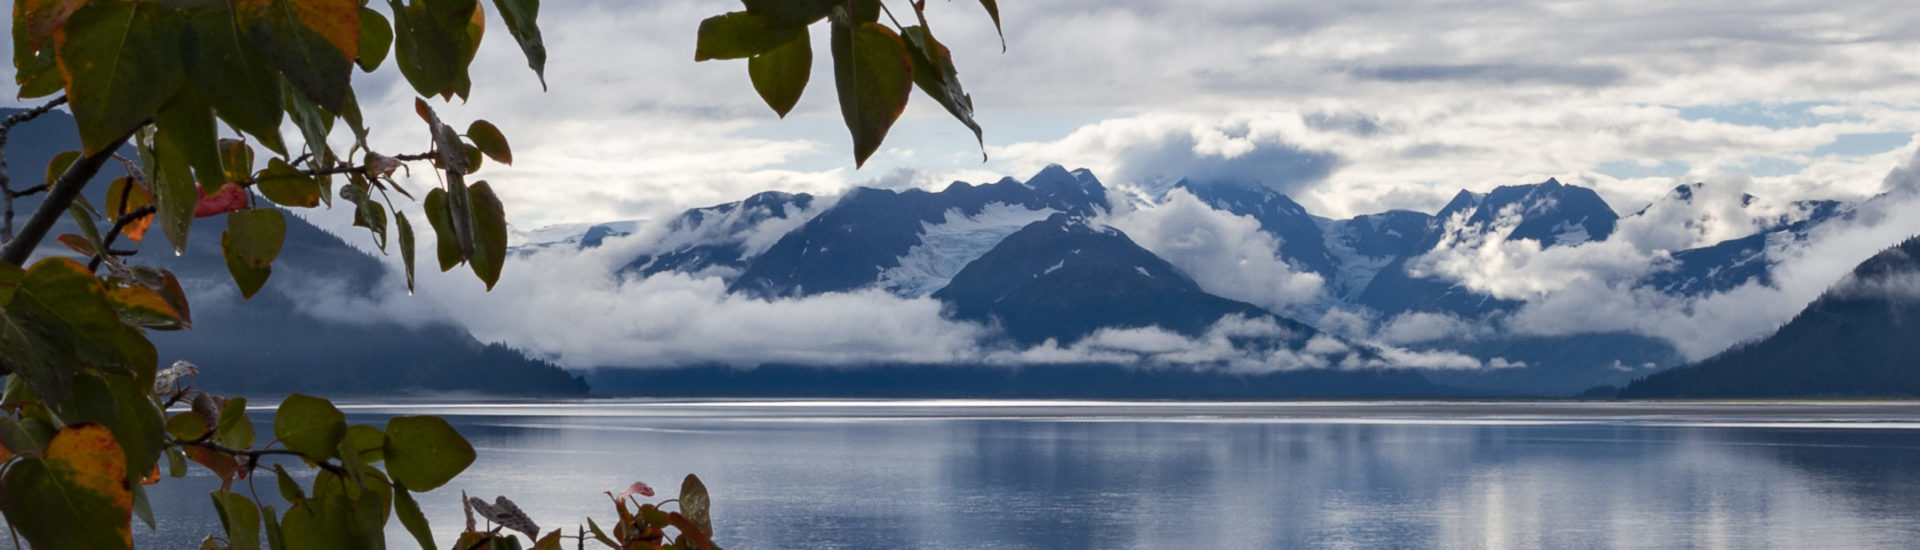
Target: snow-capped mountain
(1063, 278)
(722, 239)
(1301, 240)
(1038, 262)
(911, 241)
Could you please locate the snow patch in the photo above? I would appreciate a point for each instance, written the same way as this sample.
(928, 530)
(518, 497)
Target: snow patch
(947, 246)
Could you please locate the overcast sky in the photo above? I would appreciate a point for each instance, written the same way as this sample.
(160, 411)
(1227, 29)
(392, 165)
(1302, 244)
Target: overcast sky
(1406, 101)
(1352, 107)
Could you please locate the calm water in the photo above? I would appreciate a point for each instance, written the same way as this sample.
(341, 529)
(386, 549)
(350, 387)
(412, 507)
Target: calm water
(917, 474)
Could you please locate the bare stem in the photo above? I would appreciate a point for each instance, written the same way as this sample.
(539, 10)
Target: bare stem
(6, 185)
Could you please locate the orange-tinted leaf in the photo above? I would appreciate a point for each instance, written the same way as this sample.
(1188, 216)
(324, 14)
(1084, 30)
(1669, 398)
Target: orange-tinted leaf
(127, 195)
(313, 42)
(222, 465)
(77, 244)
(75, 494)
(142, 306)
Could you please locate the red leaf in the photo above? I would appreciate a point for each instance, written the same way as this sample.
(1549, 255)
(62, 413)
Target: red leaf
(638, 488)
(229, 198)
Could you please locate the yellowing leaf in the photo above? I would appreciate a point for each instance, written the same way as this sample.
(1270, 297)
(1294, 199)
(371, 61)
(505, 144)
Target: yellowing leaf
(76, 495)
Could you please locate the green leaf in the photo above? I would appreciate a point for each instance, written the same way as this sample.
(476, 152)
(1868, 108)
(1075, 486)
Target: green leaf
(791, 12)
(186, 127)
(410, 516)
(289, 490)
(121, 61)
(740, 35)
(233, 77)
(276, 540)
(350, 460)
(376, 39)
(490, 234)
(320, 524)
(310, 426)
(176, 463)
(424, 452)
(373, 216)
(175, 193)
(187, 426)
(240, 518)
(933, 72)
(142, 508)
(75, 496)
(288, 186)
(873, 75)
(235, 430)
(429, 55)
(694, 504)
(600, 535)
(369, 440)
(439, 216)
(236, 160)
(780, 74)
(251, 242)
(315, 125)
(312, 42)
(59, 318)
(520, 16)
(993, 11)
(406, 245)
(369, 502)
(59, 165)
(490, 141)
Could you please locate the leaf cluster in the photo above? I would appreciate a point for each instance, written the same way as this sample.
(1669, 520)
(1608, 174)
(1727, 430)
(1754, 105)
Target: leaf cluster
(875, 66)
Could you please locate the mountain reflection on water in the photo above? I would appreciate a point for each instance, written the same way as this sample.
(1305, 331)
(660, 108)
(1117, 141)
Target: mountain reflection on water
(884, 474)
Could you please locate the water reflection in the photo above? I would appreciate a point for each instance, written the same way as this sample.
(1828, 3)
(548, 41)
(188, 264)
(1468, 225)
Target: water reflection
(942, 478)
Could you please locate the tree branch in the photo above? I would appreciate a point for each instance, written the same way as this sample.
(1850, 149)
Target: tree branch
(253, 455)
(6, 183)
(119, 225)
(58, 198)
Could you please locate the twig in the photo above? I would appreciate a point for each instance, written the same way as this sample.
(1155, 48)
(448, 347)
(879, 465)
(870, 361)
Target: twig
(58, 198)
(253, 456)
(6, 184)
(119, 225)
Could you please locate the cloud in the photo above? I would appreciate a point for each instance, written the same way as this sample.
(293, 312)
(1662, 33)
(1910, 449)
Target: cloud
(1227, 255)
(1586, 76)
(1154, 152)
(1701, 326)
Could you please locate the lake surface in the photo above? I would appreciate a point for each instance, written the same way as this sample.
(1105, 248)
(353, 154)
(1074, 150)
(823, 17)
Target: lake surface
(991, 474)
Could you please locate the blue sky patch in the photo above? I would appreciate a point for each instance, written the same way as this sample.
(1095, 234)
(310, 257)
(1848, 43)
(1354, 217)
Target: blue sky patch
(1627, 169)
(1864, 144)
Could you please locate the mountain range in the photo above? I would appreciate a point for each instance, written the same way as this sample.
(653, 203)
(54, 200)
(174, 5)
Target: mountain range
(1042, 264)
(1039, 261)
